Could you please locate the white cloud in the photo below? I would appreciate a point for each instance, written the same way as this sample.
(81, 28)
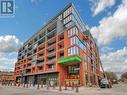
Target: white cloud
(112, 27)
(9, 43)
(7, 62)
(106, 49)
(3, 68)
(98, 6)
(9, 46)
(115, 61)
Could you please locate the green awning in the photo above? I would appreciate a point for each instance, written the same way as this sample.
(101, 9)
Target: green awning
(69, 59)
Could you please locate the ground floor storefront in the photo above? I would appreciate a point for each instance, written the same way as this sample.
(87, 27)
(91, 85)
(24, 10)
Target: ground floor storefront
(51, 78)
(68, 75)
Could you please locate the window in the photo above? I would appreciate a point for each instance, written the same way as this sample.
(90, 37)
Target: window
(72, 31)
(78, 20)
(93, 67)
(69, 51)
(92, 45)
(67, 12)
(51, 66)
(85, 65)
(85, 57)
(73, 69)
(88, 52)
(73, 40)
(76, 40)
(73, 50)
(66, 20)
(60, 17)
(89, 60)
(35, 46)
(88, 45)
(69, 24)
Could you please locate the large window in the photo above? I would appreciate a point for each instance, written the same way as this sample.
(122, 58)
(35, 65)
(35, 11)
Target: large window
(69, 24)
(67, 19)
(72, 31)
(93, 67)
(85, 57)
(67, 12)
(85, 65)
(73, 69)
(76, 40)
(78, 21)
(60, 17)
(89, 60)
(50, 66)
(73, 50)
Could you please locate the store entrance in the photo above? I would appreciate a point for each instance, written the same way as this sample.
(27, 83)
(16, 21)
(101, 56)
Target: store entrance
(73, 75)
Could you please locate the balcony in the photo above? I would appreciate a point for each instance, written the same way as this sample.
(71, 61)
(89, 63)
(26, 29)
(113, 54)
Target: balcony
(61, 36)
(60, 45)
(40, 62)
(41, 41)
(51, 27)
(34, 57)
(42, 34)
(33, 63)
(29, 53)
(41, 47)
(30, 43)
(40, 68)
(51, 41)
(33, 69)
(40, 71)
(40, 54)
(51, 58)
(27, 71)
(61, 54)
(28, 67)
(30, 47)
(51, 50)
(51, 34)
(50, 67)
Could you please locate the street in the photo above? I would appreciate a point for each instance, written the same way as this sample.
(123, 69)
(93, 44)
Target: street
(118, 89)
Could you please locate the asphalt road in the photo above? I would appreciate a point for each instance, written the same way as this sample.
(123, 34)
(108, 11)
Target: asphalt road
(119, 89)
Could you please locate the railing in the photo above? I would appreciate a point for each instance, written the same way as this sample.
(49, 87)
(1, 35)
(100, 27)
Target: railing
(40, 70)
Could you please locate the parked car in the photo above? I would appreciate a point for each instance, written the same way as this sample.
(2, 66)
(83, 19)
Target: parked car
(115, 82)
(104, 83)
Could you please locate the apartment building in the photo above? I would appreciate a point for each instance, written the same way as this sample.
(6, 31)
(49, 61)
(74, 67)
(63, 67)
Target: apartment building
(63, 51)
(6, 77)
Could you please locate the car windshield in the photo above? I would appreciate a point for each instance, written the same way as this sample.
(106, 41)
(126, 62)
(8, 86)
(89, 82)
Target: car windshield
(104, 81)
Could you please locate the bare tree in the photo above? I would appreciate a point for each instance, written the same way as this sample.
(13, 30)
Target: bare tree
(124, 76)
(111, 76)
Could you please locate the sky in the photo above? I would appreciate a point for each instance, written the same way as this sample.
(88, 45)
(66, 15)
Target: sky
(107, 21)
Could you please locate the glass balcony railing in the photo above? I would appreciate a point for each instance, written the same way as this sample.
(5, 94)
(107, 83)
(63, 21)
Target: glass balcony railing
(51, 51)
(40, 62)
(40, 70)
(50, 68)
(51, 34)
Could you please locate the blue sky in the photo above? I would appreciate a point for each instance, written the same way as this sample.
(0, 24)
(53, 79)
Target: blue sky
(105, 18)
(37, 12)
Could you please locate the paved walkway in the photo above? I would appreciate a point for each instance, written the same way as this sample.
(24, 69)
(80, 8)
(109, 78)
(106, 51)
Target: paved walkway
(120, 89)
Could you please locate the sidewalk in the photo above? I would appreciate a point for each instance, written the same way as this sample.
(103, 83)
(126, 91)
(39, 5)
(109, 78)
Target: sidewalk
(70, 90)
